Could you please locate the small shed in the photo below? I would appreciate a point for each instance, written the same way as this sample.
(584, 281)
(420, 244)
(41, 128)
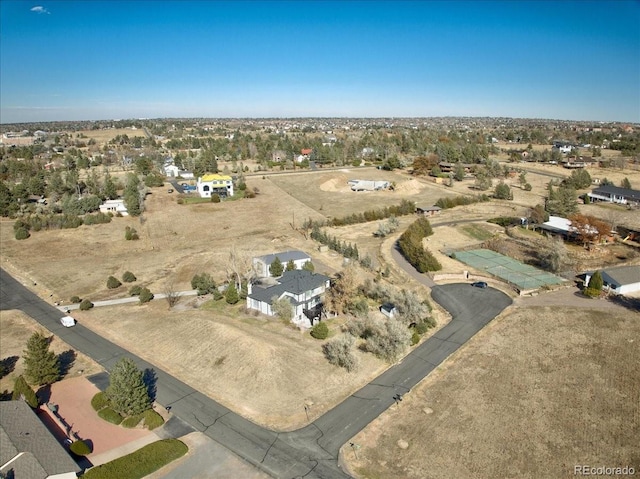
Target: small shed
(389, 310)
(428, 210)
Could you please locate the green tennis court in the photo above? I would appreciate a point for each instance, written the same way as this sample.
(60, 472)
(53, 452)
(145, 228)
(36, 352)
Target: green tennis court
(519, 274)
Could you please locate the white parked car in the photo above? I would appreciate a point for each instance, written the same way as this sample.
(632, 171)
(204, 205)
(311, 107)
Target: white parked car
(68, 321)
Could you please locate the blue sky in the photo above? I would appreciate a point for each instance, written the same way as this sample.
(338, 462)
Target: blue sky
(107, 60)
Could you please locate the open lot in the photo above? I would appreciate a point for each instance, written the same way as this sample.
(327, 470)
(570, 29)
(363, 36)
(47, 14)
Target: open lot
(538, 391)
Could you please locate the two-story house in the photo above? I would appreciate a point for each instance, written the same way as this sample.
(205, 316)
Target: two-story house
(302, 288)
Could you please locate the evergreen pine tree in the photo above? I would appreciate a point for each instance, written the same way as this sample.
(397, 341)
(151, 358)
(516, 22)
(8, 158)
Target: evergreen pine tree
(231, 296)
(595, 282)
(127, 393)
(276, 268)
(22, 390)
(41, 365)
(290, 265)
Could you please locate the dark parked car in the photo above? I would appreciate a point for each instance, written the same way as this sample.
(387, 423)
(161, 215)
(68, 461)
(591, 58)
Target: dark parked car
(479, 284)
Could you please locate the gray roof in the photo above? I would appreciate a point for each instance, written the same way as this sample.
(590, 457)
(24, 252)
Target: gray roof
(22, 431)
(615, 190)
(624, 274)
(284, 257)
(296, 281)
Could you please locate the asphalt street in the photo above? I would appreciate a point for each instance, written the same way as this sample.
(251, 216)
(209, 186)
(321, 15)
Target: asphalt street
(312, 451)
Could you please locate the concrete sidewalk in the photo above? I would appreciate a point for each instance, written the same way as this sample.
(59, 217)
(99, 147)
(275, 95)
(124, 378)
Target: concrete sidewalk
(132, 299)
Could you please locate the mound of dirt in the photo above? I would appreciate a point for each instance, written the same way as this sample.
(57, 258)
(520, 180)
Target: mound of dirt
(410, 187)
(338, 183)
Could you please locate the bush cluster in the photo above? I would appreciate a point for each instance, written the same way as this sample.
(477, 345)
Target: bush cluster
(98, 218)
(135, 290)
(410, 244)
(75, 299)
(446, 203)
(113, 282)
(204, 283)
(145, 295)
(405, 207)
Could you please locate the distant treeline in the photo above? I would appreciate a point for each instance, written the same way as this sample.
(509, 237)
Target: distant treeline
(410, 244)
(445, 203)
(25, 224)
(405, 207)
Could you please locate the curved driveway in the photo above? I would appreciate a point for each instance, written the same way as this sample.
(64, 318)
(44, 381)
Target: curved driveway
(312, 451)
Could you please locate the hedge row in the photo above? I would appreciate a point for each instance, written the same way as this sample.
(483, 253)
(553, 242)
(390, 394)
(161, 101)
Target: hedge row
(140, 463)
(445, 203)
(410, 244)
(405, 207)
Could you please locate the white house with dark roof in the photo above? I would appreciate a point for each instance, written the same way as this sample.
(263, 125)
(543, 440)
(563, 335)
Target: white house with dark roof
(302, 288)
(28, 450)
(261, 263)
(620, 279)
(615, 194)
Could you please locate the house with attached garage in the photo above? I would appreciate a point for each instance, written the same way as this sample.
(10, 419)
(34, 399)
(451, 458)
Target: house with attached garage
(261, 264)
(28, 450)
(302, 288)
(619, 280)
(115, 207)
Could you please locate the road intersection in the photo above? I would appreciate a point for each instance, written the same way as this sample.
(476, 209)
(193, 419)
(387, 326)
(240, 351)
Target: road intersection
(310, 452)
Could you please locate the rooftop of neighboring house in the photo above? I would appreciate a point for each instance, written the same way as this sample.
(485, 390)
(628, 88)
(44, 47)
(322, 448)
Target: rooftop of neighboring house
(215, 177)
(296, 281)
(624, 274)
(284, 257)
(616, 190)
(26, 445)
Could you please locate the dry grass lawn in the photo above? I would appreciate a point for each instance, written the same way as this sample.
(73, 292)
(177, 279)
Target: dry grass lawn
(15, 330)
(536, 392)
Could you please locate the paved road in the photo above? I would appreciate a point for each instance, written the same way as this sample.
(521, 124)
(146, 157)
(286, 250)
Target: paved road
(312, 451)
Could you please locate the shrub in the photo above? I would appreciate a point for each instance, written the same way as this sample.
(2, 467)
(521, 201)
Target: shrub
(129, 277)
(135, 290)
(145, 295)
(130, 234)
(415, 338)
(204, 283)
(591, 292)
(22, 389)
(99, 401)
(140, 463)
(22, 234)
(320, 330)
(231, 296)
(339, 352)
(422, 327)
(391, 343)
(85, 305)
(75, 299)
(596, 282)
(131, 421)
(113, 282)
(215, 199)
(152, 419)
(110, 415)
(80, 448)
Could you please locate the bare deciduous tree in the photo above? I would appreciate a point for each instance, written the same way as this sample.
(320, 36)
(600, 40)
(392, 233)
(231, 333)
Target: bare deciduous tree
(170, 294)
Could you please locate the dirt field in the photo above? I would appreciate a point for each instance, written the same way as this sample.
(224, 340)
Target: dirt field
(536, 392)
(103, 136)
(15, 330)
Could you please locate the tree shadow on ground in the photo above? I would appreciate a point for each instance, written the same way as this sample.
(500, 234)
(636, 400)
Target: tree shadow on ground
(150, 379)
(44, 394)
(66, 360)
(7, 365)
